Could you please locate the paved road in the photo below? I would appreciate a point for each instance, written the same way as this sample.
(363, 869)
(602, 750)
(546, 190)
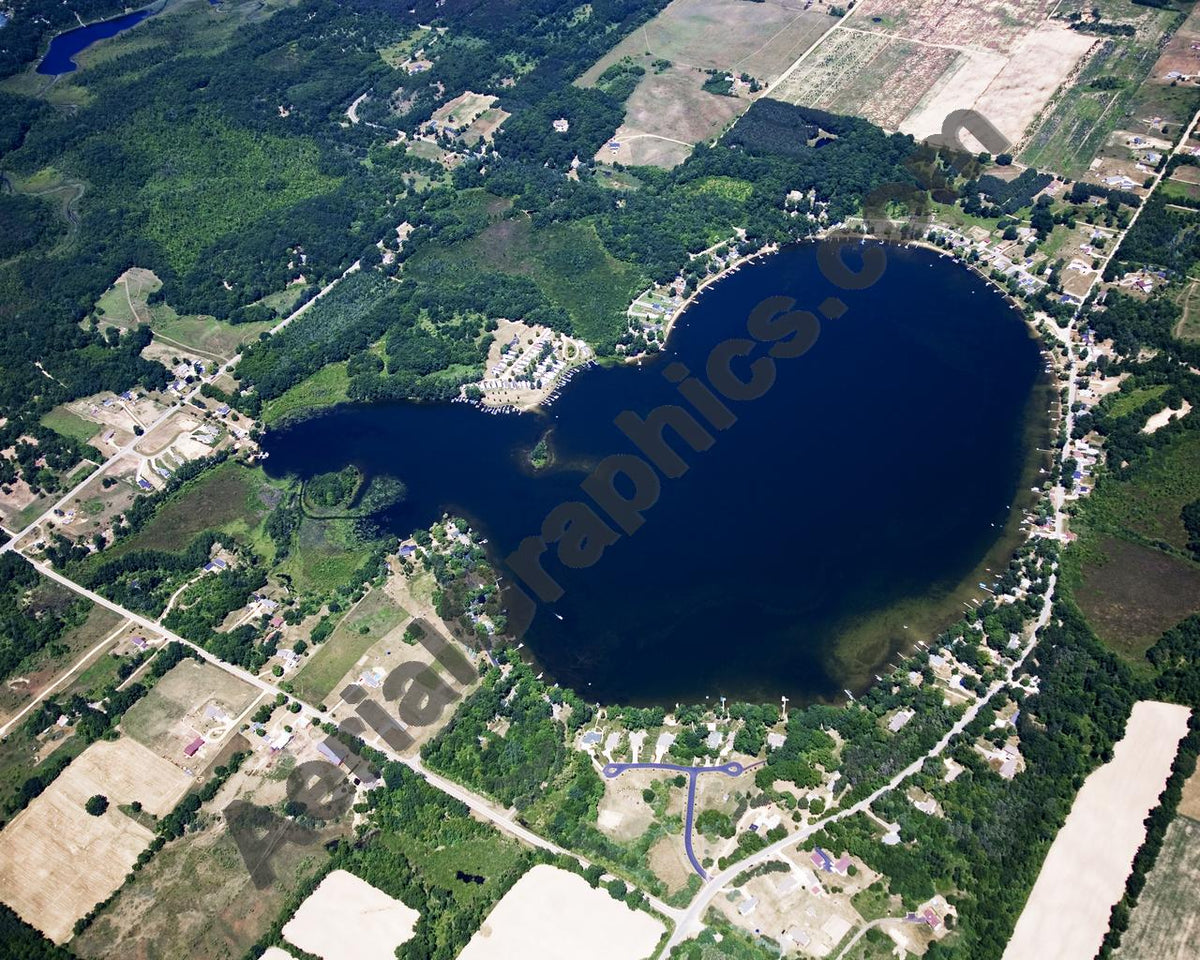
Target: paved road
(499, 818)
(733, 769)
(690, 922)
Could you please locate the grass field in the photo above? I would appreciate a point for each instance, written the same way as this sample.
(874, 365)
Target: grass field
(1129, 570)
(1131, 594)
(174, 713)
(326, 556)
(231, 498)
(36, 672)
(325, 388)
(371, 619)
(63, 421)
(1165, 924)
(1126, 403)
(124, 305)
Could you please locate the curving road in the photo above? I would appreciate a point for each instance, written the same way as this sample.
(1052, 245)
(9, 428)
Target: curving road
(732, 769)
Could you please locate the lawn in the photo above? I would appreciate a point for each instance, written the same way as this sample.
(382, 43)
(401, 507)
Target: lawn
(63, 421)
(370, 619)
(1126, 403)
(325, 388)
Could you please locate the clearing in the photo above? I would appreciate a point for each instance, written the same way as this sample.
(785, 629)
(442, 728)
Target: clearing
(192, 700)
(372, 618)
(668, 111)
(551, 913)
(1164, 924)
(346, 918)
(57, 861)
(1067, 913)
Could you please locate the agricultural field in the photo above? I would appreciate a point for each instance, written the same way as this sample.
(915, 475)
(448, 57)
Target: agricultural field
(192, 700)
(907, 66)
(550, 912)
(1082, 879)
(1106, 95)
(1164, 924)
(370, 620)
(669, 111)
(346, 918)
(57, 861)
(197, 897)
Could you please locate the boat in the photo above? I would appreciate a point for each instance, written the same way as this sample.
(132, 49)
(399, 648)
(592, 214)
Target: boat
(559, 615)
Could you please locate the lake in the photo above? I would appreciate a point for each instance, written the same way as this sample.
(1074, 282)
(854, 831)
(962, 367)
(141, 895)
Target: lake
(849, 511)
(60, 58)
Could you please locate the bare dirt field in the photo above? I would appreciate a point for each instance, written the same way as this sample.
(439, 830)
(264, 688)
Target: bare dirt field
(906, 66)
(56, 860)
(869, 74)
(551, 913)
(346, 918)
(983, 24)
(192, 700)
(1016, 93)
(1165, 924)
(1067, 913)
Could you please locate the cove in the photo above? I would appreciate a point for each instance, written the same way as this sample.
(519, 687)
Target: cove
(60, 58)
(859, 496)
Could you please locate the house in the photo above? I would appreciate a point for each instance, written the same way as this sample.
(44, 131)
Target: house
(140, 643)
(144, 483)
(407, 550)
(842, 867)
(896, 724)
(191, 748)
(746, 907)
(223, 409)
(277, 621)
(280, 741)
(561, 125)
(931, 918)
(821, 860)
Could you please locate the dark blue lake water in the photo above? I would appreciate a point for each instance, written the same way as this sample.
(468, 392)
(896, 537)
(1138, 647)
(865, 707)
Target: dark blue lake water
(857, 497)
(60, 58)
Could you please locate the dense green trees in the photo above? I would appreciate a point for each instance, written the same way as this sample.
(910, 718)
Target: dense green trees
(34, 614)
